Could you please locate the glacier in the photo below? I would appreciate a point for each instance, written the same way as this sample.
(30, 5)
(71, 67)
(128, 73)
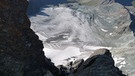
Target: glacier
(73, 33)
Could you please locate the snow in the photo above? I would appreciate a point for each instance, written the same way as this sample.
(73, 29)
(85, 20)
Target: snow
(41, 37)
(67, 34)
(65, 21)
(119, 61)
(96, 47)
(104, 30)
(63, 57)
(59, 56)
(110, 33)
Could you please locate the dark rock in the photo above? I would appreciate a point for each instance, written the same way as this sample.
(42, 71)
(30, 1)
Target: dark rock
(20, 49)
(99, 65)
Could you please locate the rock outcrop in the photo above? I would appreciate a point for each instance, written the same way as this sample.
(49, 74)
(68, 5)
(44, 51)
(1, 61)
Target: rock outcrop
(20, 50)
(101, 64)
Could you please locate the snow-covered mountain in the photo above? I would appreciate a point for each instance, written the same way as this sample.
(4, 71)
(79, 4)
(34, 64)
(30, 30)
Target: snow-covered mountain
(71, 32)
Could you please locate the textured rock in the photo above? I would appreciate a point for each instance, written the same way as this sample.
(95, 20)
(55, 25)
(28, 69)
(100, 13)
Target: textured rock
(124, 54)
(101, 64)
(20, 50)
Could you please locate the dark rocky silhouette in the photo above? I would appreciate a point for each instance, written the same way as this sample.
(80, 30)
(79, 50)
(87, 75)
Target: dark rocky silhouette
(20, 49)
(101, 64)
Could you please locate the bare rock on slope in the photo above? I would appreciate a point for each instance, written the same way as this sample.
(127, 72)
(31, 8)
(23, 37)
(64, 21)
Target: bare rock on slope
(101, 64)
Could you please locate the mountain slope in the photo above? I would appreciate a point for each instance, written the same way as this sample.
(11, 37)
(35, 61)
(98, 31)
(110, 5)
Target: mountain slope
(75, 31)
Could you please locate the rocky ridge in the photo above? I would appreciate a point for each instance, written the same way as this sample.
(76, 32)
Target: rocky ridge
(101, 64)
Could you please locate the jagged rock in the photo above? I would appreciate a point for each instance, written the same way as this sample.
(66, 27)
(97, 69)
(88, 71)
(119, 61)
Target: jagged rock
(20, 49)
(101, 64)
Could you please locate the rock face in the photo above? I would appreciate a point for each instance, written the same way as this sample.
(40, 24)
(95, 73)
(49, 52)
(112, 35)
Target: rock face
(101, 64)
(20, 50)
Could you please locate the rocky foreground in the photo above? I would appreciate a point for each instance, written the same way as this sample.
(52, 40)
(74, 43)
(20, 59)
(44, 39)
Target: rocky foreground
(21, 51)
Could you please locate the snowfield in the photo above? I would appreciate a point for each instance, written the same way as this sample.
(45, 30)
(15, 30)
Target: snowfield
(66, 34)
(69, 34)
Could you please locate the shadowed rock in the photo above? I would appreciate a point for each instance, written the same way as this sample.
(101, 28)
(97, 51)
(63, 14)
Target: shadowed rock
(20, 50)
(101, 64)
